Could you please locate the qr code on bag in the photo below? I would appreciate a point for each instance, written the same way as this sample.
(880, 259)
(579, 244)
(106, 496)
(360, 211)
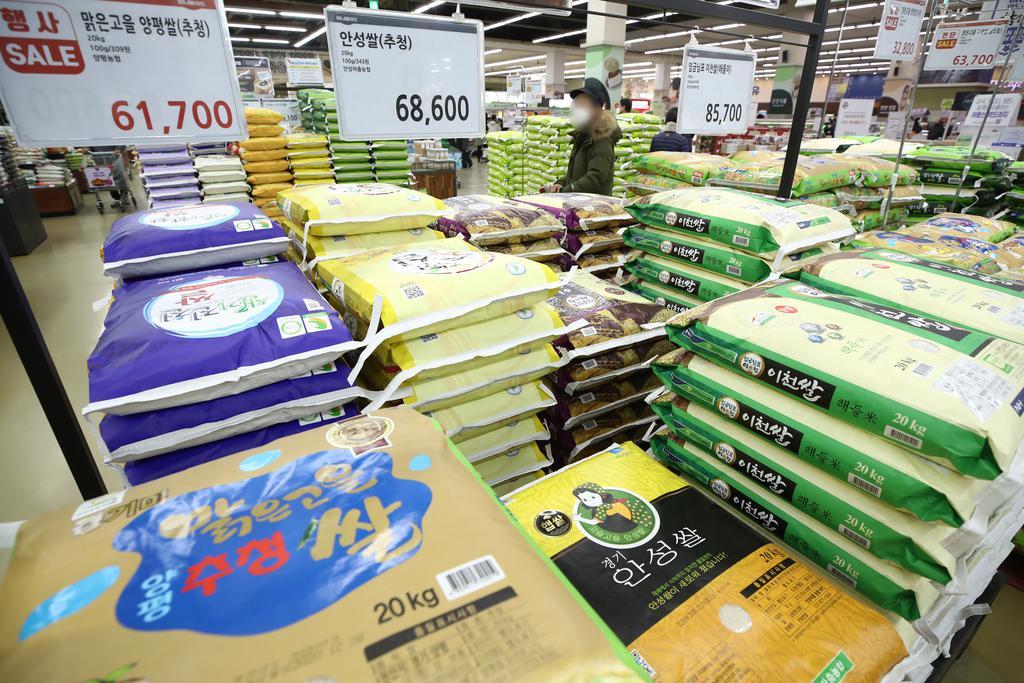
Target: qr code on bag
(413, 292)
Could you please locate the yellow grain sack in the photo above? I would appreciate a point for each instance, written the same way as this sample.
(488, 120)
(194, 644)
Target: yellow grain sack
(264, 155)
(267, 166)
(270, 189)
(313, 173)
(313, 181)
(339, 246)
(267, 178)
(323, 162)
(298, 140)
(359, 208)
(265, 201)
(265, 131)
(263, 144)
(273, 212)
(480, 415)
(259, 115)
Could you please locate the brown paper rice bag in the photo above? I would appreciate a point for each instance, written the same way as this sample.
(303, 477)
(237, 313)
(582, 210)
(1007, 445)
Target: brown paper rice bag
(263, 144)
(266, 166)
(264, 155)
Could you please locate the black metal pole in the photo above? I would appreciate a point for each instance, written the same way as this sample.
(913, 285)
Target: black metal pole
(28, 341)
(803, 99)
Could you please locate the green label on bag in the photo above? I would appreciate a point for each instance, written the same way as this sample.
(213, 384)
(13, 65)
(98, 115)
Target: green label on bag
(835, 670)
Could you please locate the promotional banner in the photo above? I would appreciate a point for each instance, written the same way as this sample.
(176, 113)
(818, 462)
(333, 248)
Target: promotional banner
(255, 79)
(105, 72)
(785, 89)
(865, 86)
(854, 117)
(304, 72)
(1003, 112)
(604, 62)
(289, 107)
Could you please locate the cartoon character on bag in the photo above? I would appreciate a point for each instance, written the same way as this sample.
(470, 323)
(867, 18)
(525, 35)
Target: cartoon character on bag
(600, 508)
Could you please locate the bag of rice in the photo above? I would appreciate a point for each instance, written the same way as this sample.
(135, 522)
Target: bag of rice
(260, 116)
(1011, 253)
(250, 156)
(871, 219)
(625, 423)
(938, 176)
(582, 374)
(827, 146)
(950, 394)
(956, 157)
(634, 539)
(264, 552)
(669, 297)
(267, 178)
(158, 242)
(613, 317)
(576, 410)
(975, 227)
(302, 140)
(890, 587)
(359, 208)
(262, 144)
(493, 410)
(580, 242)
(876, 172)
(319, 249)
(512, 463)
(179, 339)
(271, 190)
(536, 250)
(813, 174)
(692, 282)
(887, 149)
(582, 211)
(143, 435)
(933, 247)
(642, 185)
(743, 220)
(503, 438)
(689, 167)
(874, 197)
(888, 472)
(486, 220)
(265, 130)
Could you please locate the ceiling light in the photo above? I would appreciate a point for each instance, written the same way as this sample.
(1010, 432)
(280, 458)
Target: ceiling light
(527, 15)
(514, 61)
(276, 41)
(660, 37)
(726, 27)
(581, 61)
(300, 15)
(246, 10)
(492, 52)
(559, 36)
(427, 7)
(315, 34)
(291, 29)
(236, 39)
(252, 26)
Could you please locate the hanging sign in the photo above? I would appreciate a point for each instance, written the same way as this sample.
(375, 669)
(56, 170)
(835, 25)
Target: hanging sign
(965, 45)
(894, 125)
(303, 71)
(289, 107)
(255, 78)
(901, 24)
(1003, 113)
(114, 72)
(400, 75)
(715, 92)
(854, 117)
(514, 85)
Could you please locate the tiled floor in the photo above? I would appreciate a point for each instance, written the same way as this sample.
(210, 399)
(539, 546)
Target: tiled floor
(62, 278)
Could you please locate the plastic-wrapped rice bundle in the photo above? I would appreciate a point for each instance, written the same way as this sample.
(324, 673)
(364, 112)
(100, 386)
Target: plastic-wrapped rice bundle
(506, 163)
(266, 143)
(220, 174)
(692, 168)
(309, 159)
(548, 143)
(487, 221)
(886, 149)
(827, 146)
(391, 162)
(813, 174)
(957, 157)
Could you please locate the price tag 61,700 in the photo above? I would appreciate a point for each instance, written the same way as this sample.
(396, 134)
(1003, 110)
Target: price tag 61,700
(716, 91)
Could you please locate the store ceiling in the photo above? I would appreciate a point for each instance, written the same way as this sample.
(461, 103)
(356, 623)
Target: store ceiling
(517, 39)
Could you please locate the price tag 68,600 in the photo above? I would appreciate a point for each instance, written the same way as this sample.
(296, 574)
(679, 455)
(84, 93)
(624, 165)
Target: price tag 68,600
(401, 75)
(716, 91)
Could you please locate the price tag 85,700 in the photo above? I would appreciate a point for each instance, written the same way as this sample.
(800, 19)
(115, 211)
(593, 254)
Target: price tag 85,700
(400, 75)
(716, 91)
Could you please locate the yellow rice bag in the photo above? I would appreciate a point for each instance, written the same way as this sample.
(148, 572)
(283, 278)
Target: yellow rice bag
(311, 162)
(305, 182)
(339, 246)
(418, 290)
(273, 212)
(929, 247)
(267, 178)
(269, 190)
(505, 437)
(264, 155)
(260, 202)
(263, 144)
(492, 410)
(258, 115)
(271, 130)
(512, 463)
(267, 166)
(507, 487)
(358, 208)
(306, 140)
(965, 225)
(313, 173)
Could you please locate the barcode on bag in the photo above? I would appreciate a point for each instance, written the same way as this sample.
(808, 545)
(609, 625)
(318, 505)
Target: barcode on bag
(587, 397)
(904, 438)
(412, 291)
(994, 309)
(854, 536)
(740, 240)
(841, 575)
(589, 364)
(923, 370)
(589, 331)
(864, 485)
(470, 577)
(733, 270)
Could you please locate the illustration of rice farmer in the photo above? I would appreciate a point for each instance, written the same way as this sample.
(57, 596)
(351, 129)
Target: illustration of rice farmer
(600, 508)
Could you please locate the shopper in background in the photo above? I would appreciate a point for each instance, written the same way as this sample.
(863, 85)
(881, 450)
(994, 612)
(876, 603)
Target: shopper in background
(624, 106)
(937, 131)
(916, 128)
(667, 139)
(493, 124)
(593, 148)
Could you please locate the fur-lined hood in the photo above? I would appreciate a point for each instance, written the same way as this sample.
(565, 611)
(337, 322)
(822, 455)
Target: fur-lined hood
(606, 126)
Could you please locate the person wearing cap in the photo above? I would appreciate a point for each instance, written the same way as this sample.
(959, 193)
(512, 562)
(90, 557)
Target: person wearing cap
(592, 160)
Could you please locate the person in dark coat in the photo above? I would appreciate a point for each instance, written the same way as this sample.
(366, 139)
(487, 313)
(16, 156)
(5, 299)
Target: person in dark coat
(668, 140)
(592, 160)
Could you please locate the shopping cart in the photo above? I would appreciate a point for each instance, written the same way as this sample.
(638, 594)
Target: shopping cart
(106, 173)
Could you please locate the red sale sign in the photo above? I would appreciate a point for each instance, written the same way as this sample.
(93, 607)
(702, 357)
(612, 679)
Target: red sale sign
(966, 45)
(39, 41)
(901, 22)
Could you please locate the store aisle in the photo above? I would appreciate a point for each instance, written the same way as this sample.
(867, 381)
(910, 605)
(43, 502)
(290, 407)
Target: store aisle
(62, 278)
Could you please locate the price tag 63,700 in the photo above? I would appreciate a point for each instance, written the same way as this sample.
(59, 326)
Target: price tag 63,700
(716, 91)
(401, 75)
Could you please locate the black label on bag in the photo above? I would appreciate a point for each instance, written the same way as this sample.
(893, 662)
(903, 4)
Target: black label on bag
(895, 315)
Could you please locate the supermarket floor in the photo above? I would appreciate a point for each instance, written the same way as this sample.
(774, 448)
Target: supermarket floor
(62, 278)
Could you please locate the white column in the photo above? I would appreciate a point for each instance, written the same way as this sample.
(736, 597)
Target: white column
(554, 73)
(606, 42)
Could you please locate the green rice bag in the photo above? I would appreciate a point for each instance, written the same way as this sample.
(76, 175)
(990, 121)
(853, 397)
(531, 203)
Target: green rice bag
(764, 173)
(874, 197)
(939, 176)
(956, 157)
(876, 172)
(700, 284)
(672, 299)
(689, 167)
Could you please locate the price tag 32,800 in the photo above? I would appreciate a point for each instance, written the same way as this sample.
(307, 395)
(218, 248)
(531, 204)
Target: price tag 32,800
(716, 91)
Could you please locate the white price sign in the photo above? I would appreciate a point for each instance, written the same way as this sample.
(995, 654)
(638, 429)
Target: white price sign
(304, 71)
(965, 45)
(1003, 112)
(715, 94)
(854, 117)
(401, 75)
(287, 106)
(114, 72)
(897, 36)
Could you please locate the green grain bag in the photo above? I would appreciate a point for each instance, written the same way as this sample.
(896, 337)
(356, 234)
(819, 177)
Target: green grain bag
(672, 299)
(694, 282)
(956, 157)
(690, 167)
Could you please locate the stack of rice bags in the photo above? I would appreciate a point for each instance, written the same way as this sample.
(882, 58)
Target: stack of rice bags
(316, 118)
(637, 132)
(1015, 197)
(645, 127)
(249, 557)
(391, 162)
(547, 149)
(309, 158)
(866, 200)
(455, 332)
(604, 373)
(658, 171)
(212, 344)
(222, 178)
(869, 417)
(697, 244)
(506, 226)
(506, 163)
(975, 243)
(815, 176)
(941, 168)
(594, 225)
(265, 158)
(168, 175)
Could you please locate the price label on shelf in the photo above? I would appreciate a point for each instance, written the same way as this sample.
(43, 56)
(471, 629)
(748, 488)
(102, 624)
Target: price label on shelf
(115, 72)
(898, 34)
(716, 91)
(304, 71)
(966, 45)
(1003, 111)
(854, 117)
(400, 75)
